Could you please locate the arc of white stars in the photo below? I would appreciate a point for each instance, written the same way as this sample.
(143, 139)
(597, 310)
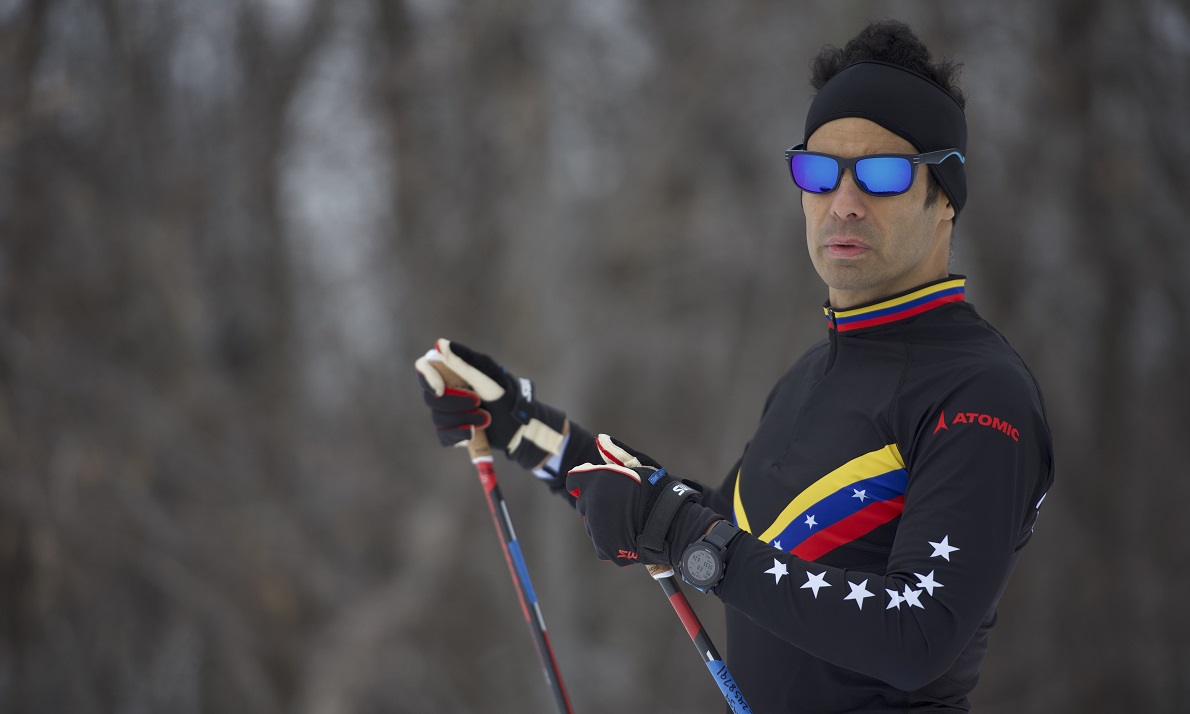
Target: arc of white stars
(810, 520)
(860, 494)
(894, 599)
(815, 582)
(858, 593)
(927, 582)
(778, 570)
(942, 548)
(913, 597)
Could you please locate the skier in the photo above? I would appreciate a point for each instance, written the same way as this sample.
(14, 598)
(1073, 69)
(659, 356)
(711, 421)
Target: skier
(869, 528)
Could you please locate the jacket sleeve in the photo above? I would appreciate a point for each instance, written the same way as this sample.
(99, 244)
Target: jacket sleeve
(580, 449)
(975, 479)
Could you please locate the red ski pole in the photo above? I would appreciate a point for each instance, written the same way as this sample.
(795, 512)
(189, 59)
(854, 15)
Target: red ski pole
(664, 575)
(481, 456)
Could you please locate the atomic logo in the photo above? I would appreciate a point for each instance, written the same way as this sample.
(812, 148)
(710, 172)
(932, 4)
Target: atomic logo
(980, 419)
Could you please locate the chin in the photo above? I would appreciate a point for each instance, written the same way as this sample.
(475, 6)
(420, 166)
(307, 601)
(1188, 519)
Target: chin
(840, 275)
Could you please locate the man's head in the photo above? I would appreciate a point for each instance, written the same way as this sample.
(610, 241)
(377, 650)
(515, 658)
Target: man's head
(881, 94)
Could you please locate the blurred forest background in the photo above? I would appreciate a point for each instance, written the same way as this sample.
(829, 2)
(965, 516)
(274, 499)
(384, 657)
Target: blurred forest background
(228, 227)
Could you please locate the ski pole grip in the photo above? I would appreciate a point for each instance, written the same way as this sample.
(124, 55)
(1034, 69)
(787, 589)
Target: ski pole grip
(660, 571)
(478, 446)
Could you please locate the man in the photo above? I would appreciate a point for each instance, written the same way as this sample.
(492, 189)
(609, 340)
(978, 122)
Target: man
(864, 537)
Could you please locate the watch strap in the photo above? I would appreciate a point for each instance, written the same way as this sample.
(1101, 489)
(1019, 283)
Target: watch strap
(715, 542)
(722, 534)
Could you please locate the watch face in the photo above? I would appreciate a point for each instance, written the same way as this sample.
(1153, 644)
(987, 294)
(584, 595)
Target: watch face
(701, 566)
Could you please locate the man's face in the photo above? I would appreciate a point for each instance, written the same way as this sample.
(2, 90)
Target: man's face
(869, 247)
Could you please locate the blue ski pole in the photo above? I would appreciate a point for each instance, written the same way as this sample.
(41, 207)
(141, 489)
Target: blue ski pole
(664, 575)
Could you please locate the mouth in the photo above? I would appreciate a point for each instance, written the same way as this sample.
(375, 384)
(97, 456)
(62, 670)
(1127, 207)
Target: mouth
(846, 247)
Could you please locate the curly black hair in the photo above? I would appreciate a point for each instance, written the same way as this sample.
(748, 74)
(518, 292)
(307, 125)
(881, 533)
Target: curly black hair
(893, 42)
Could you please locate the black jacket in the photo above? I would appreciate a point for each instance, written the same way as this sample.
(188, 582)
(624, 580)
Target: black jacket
(893, 480)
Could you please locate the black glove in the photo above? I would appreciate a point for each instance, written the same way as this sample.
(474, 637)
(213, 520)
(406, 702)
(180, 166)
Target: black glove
(630, 505)
(527, 430)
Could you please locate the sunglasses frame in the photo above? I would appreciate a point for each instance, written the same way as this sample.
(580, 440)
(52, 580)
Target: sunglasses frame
(932, 157)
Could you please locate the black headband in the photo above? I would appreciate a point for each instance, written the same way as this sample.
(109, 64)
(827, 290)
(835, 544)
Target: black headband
(907, 104)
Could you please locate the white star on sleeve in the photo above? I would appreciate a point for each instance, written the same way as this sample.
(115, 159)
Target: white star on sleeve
(810, 520)
(777, 544)
(815, 582)
(858, 593)
(943, 548)
(894, 599)
(927, 582)
(913, 597)
(861, 495)
(777, 571)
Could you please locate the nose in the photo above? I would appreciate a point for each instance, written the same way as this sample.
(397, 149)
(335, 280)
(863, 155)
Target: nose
(848, 202)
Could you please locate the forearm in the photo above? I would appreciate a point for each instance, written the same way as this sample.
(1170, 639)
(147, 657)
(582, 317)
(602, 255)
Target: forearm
(578, 447)
(887, 626)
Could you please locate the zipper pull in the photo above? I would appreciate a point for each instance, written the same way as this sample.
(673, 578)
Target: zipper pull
(830, 312)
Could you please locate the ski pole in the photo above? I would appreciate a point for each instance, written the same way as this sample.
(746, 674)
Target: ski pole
(664, 575)
(481, 456)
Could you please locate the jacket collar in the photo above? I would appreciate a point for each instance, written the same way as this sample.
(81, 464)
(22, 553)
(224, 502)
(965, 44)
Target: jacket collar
(897, 307)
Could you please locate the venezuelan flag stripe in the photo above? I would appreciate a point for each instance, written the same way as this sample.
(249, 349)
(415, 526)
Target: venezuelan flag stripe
(840, 506)
(848, 529)
(874, 463)
(899, 308)
(741, 518)
(894, 314)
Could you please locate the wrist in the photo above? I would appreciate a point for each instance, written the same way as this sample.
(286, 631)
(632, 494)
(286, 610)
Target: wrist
(555, 456)
(692, 522)
(704, 561)
(667, 499)
(539, 436)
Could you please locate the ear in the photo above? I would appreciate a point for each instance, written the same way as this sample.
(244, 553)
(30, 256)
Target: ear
(947, 212)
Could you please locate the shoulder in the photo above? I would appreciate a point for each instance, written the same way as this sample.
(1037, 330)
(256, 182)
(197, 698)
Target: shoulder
(963, 350)
(965, 369)
(818, 349)
(811, 361)
(807, 368)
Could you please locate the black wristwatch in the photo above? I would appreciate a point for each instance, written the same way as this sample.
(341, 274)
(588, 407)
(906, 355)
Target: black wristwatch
(702, 563)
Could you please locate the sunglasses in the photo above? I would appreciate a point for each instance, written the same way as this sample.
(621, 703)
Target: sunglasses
(876, 175)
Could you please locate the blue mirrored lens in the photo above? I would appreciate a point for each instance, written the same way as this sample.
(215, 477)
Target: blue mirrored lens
(816, 174)
(884, 176)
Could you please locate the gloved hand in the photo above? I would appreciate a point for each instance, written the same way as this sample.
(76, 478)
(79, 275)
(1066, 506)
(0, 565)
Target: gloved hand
(527, 430)
(630, 504)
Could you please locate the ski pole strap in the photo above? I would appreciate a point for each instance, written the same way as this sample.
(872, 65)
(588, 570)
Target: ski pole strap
(668, 497)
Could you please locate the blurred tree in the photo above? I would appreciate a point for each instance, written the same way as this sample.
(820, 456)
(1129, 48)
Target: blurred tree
(227, 229)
